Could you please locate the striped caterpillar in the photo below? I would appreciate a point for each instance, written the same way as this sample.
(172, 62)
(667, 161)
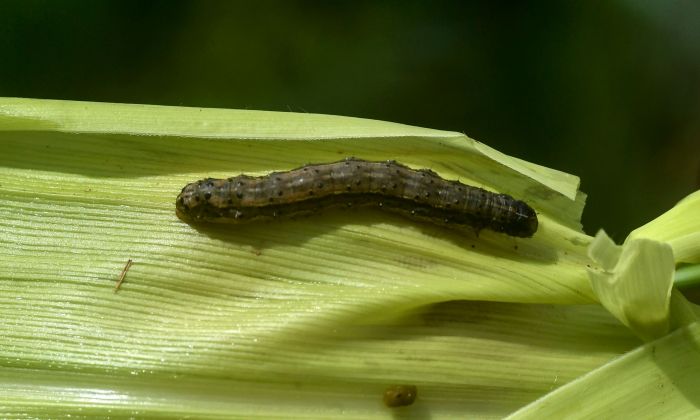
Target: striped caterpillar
(417, 194)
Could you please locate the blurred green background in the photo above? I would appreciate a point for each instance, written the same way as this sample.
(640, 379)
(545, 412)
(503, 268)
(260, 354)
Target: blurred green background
(606, 90)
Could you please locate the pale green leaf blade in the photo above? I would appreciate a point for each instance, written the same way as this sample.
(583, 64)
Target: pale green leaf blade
(658, 380)
(466, 358)
(297, 312)
(132, 180)
(680, 227)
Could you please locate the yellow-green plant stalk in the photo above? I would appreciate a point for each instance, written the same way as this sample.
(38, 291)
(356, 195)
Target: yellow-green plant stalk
(315, 317)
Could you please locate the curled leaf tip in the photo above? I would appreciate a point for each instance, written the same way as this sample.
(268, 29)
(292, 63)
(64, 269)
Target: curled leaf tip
(634, 282)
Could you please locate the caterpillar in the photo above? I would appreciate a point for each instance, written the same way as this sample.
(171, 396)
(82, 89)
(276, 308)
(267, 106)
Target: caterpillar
(420, 195)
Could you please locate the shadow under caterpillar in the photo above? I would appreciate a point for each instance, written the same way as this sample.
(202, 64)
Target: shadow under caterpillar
(420, 195)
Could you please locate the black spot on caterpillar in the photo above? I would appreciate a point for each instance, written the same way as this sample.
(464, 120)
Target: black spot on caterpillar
(400, 395)
(417, 194)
